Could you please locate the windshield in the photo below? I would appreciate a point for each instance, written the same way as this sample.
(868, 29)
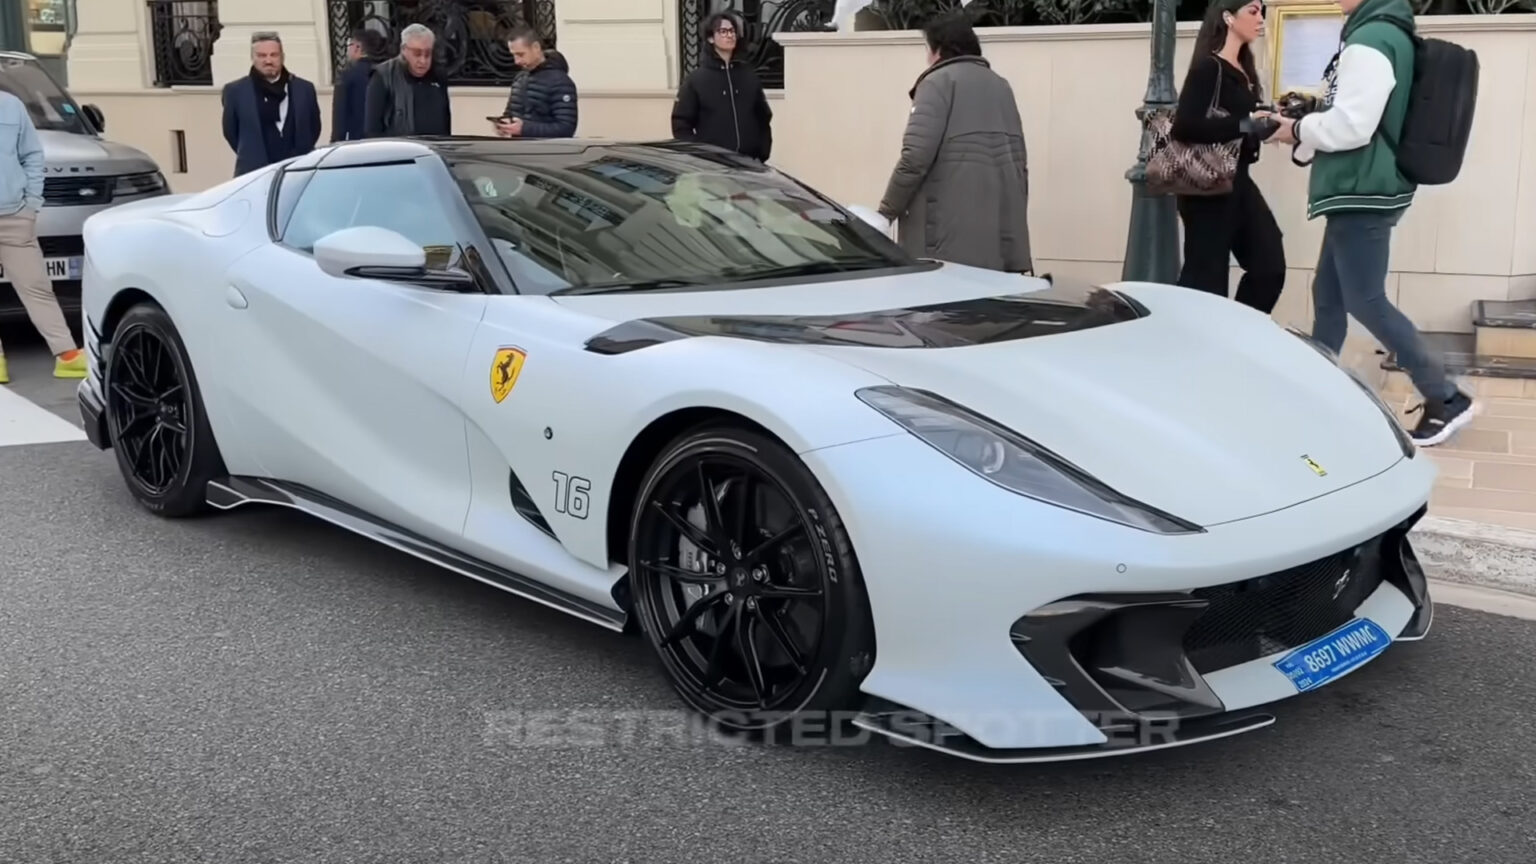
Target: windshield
(658, 216)
(50, 107)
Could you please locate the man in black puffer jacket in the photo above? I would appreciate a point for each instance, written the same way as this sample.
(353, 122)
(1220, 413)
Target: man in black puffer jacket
(543, 99)
(722, 102)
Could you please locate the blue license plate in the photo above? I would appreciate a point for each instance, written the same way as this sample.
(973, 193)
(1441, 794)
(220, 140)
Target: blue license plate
(1322, 660)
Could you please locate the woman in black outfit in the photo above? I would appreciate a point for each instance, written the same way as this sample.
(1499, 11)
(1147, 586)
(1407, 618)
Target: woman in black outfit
(1239, 224)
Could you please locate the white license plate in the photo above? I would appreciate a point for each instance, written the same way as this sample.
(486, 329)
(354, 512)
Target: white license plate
(59, 269)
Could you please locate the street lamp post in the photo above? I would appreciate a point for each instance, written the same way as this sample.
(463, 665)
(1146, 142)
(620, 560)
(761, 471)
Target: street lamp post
(1152, 246)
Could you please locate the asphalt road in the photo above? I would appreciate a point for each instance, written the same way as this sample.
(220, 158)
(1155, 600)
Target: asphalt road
(260, 687)
(32, 370)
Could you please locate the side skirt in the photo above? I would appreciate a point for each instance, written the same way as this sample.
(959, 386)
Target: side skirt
(231, 492)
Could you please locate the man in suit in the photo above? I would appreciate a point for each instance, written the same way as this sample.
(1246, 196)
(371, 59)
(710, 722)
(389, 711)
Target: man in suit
(271, 114)
(349, 119)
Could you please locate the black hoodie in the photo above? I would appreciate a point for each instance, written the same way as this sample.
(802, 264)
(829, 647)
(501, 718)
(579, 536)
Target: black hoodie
(544, 98)
(724, 105)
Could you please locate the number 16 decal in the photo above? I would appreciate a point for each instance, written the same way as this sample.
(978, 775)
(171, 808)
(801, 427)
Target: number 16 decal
(571, 494)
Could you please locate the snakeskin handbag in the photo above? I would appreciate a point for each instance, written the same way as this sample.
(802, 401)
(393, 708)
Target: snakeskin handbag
(1180, 168)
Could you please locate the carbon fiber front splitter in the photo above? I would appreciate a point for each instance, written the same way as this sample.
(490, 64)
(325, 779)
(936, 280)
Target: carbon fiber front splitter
(1125, 734)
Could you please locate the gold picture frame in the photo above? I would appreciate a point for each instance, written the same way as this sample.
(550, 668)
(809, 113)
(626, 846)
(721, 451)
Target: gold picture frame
(1319, 19)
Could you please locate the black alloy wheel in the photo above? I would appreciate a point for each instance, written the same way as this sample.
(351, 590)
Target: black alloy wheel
(745, 582)
(155, 419)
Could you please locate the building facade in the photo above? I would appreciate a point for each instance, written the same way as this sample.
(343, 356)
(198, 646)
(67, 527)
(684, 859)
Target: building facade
(840, 99)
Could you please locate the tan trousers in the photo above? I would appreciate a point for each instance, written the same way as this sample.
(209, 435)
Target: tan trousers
(22, 259)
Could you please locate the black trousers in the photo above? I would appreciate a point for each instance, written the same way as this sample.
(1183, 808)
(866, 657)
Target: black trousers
(1220, 227)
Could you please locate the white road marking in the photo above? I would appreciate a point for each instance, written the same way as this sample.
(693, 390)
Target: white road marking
(1490, 600)
(22, 422)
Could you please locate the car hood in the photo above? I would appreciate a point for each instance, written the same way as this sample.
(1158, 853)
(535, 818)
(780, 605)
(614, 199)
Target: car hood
(1187, 402)
(65, 152)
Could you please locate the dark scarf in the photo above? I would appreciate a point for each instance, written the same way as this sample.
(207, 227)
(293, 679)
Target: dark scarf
(269, 95)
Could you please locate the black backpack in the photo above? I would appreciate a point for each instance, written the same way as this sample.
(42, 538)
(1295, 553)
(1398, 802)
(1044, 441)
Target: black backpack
(1440, 107)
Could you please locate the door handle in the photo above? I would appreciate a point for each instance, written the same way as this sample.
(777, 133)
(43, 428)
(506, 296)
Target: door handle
(234, 298)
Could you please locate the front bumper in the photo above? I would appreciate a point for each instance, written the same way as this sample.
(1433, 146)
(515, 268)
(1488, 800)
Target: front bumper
(1025, 632)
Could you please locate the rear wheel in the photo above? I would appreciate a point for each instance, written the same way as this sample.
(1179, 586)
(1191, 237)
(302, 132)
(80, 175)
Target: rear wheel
(155, 419)
(745, 582)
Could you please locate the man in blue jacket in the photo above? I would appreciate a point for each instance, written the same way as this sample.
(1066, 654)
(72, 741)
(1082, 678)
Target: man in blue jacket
(349, 102)
(271, 114)
(22, 167)
(543, 99)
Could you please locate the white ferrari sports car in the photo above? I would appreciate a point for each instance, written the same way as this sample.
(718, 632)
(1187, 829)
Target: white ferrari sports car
(675, 392)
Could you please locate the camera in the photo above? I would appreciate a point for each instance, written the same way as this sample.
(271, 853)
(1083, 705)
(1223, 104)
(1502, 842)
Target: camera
(1295, 105)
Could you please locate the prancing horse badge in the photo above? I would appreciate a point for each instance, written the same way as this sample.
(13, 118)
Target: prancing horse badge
(1311, 463)
(505, 368)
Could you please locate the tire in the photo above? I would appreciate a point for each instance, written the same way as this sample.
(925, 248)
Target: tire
(167, 471)
(757, 595)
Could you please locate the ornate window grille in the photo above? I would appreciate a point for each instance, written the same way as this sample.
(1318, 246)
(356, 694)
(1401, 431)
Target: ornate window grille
(182, 33)
(471, 34)
(763, 19)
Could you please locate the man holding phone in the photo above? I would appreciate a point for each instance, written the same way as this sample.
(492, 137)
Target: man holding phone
(542, 103)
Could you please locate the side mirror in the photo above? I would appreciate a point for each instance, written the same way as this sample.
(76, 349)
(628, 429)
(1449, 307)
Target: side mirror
(370, 252)
(93, 114)
(874, 219)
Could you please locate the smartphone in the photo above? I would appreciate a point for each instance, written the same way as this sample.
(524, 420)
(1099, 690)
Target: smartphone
(497, 119)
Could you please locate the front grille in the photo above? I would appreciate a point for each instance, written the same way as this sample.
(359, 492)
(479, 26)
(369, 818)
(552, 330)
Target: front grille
(66, 191)
(62, 245)
(1279, 611)
(1146, 652)
(92, 190)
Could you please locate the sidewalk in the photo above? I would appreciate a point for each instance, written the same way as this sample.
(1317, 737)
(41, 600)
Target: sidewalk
(1481, 527)
(1488, 470)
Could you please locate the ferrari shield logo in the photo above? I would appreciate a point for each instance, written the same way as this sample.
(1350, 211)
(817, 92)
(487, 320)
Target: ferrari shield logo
(505, 368)
(1311, 463)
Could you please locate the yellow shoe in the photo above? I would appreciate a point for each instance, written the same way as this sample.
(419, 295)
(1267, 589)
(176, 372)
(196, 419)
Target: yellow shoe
(5, 374)
(70, 365)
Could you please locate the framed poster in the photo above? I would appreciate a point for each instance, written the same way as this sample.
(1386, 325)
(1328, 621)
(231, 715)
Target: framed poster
(1303, 37)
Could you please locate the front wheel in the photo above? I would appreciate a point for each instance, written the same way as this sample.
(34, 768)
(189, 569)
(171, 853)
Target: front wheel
(155, 419)
(746, 584)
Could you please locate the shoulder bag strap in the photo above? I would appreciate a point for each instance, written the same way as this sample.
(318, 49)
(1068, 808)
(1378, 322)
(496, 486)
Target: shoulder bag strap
(1216, 92)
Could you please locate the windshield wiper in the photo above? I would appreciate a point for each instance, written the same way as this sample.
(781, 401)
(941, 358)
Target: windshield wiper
(621, 286)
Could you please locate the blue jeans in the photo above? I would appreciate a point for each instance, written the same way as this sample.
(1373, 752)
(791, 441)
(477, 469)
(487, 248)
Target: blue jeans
(1351, 280)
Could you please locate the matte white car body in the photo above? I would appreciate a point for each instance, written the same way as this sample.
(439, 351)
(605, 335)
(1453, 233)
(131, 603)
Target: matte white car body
(376, 396)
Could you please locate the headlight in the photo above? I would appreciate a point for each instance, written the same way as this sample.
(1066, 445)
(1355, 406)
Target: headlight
(1403, 441)
(148, 183)
(1005, 458)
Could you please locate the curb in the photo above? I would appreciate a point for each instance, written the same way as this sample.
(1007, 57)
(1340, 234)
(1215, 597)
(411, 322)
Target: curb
(1476, 553)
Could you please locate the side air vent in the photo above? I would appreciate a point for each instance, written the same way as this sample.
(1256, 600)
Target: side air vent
(523, 503)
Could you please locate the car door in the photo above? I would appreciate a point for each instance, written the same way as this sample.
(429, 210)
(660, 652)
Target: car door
(351, 384)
